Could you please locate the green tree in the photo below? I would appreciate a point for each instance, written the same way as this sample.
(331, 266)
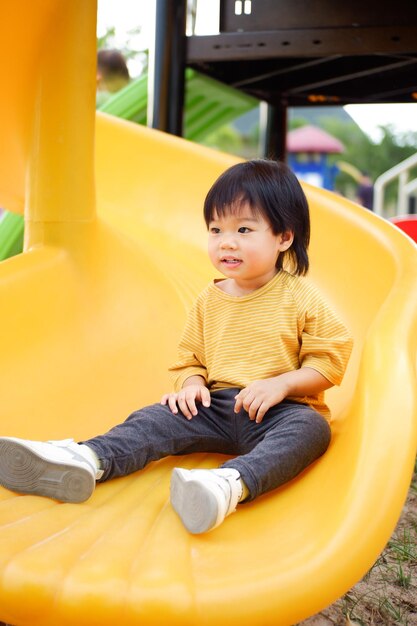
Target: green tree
(226, 138)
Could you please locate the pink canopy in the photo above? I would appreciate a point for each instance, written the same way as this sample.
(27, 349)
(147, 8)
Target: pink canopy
(313, 139)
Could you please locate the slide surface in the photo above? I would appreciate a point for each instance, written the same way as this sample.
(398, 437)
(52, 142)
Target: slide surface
(94, 309)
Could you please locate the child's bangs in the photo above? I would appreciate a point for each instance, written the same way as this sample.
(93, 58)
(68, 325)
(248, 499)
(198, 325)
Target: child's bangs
(223, 205)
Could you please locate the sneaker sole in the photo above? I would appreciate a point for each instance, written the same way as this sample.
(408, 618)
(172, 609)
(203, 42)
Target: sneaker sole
(25, 471)
(196, 506)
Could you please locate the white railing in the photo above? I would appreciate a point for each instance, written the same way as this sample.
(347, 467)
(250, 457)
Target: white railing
(406, 188)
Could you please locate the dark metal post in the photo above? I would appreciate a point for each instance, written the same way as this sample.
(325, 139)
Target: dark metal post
(274, 131)
(167, 67)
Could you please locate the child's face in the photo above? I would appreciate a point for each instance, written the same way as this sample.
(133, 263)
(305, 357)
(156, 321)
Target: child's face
(243, 247)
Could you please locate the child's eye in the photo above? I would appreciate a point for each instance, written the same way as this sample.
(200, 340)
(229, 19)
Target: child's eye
(244, 229)
(214, 230)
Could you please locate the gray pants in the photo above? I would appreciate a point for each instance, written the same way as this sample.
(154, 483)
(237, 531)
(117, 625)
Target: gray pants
(269, 454)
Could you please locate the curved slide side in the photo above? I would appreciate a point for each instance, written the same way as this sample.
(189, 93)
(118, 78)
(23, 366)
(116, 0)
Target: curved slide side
(94, 309)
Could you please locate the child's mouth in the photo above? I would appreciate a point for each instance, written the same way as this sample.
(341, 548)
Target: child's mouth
(231, 261)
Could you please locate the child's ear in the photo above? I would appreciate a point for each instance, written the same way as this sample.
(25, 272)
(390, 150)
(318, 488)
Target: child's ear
(285, 240)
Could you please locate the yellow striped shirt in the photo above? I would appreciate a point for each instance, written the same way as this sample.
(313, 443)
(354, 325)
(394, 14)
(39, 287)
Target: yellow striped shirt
(286, 324)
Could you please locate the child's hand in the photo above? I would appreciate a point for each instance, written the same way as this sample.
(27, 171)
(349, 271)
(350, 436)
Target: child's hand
(185, 400)
(260, 396)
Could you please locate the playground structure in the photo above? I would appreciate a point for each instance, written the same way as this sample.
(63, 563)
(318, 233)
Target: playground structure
(93, 310)
(308, 150)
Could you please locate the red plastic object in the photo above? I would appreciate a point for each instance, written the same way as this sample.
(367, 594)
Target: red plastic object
(407, 223)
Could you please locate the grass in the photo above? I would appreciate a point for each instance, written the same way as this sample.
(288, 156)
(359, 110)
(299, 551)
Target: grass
(387, 595)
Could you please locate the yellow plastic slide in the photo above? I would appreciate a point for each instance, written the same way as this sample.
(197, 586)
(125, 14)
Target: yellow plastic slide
(90, 316)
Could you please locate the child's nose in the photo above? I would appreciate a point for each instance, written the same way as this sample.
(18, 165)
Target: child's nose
(228, 242)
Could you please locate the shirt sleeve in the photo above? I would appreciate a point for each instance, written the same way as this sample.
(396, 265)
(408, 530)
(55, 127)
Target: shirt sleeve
(191, 357)
(326, 343)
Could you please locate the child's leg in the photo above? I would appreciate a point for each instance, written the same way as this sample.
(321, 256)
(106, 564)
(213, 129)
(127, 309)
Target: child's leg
(155, 432)
(290, 437)
(66, 471)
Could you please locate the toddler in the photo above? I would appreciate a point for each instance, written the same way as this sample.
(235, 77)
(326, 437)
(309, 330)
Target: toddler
(258, 351)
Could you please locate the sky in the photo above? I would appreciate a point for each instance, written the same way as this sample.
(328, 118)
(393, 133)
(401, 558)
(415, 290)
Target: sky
(369, 117)
(127, 14)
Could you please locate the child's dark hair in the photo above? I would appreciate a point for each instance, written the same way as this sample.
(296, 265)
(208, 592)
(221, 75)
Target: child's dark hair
(271, 189)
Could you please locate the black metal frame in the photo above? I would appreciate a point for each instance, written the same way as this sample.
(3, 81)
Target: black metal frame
(290, 53)
(167, 68)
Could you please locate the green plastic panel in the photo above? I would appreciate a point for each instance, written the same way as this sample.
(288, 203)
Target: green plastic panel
(209, 104)
(11, 235)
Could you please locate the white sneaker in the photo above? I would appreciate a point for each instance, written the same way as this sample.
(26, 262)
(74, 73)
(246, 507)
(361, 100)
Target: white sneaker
(56, 469)
(203, 498)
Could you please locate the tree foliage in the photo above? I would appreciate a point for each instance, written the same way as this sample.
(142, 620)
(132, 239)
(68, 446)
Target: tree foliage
(370, 157)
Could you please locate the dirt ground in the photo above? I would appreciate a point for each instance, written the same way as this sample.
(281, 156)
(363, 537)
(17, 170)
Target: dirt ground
(387, 595)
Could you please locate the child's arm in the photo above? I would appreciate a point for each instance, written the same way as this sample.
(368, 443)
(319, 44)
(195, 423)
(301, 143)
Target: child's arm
(190, 368)
(261, 395)
(193, 389)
